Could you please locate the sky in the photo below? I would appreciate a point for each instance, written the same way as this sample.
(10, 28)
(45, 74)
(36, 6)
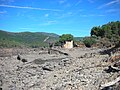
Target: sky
(75, 17)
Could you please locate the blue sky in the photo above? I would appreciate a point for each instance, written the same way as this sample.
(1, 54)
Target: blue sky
(76, 17)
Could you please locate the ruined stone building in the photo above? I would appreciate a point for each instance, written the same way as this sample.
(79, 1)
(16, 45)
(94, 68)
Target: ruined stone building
(68, 44)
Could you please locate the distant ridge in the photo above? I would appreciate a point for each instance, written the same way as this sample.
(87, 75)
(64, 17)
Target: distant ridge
(29, 39)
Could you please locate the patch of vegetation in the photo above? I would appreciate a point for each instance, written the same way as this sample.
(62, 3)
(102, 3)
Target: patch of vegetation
(65, 37)
(110, 30)
(89, 41)
(78, 38)
(28, 39)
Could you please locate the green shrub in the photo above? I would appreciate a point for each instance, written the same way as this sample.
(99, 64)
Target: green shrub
(65, 37)
(89, 41)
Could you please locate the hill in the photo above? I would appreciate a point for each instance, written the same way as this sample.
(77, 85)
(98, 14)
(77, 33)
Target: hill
(78, 38)
(108, 34)
(29, 39)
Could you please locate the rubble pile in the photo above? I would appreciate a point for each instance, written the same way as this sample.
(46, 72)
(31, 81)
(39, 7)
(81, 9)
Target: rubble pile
(62, 69)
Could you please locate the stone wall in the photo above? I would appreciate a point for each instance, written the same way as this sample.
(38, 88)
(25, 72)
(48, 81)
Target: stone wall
(68, 44)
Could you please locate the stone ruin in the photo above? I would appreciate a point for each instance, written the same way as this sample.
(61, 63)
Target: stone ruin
(68, 44)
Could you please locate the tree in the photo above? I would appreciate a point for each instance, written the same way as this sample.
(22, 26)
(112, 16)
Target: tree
(111, 31)
(65, 37)
(89, 41)
(95, 31)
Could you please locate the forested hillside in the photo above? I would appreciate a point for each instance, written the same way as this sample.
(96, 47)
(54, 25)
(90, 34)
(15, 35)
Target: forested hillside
(109, 31)
(9, 39)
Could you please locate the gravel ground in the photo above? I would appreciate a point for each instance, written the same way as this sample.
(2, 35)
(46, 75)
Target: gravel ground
(81, 69)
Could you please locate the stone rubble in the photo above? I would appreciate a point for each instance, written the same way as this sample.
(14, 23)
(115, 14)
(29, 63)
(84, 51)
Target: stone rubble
(81, 69)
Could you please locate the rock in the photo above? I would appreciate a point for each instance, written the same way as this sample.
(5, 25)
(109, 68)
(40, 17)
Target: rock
(111, 69)
(55, 75)
(113, 87)
(47, 69)
(18, 57)
(1, 80)
(24, 60)
(52, 51)
(1, 83)
(57, 71)
(117, 64)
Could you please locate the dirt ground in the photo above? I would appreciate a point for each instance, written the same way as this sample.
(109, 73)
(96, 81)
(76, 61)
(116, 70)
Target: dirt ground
(62, 69)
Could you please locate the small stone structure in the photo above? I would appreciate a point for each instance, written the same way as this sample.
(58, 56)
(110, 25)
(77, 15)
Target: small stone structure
(68, 44)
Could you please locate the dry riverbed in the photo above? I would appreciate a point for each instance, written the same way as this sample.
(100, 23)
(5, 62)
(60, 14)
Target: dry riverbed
(62, 69)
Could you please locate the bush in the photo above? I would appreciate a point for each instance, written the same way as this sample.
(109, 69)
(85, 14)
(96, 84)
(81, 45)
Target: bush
(89, 41)
(65, 37)
(57, 43)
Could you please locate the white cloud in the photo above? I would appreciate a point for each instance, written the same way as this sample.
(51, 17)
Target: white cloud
(48, 23)
(24, 7)
(62, 1)
(67, 14)
(92, 15)
(109, 3)
(46, 15)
